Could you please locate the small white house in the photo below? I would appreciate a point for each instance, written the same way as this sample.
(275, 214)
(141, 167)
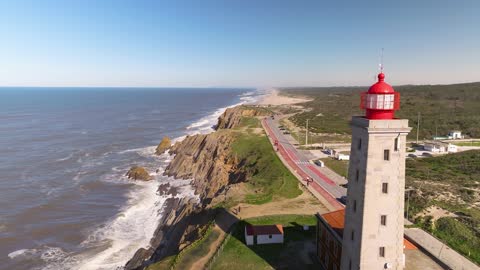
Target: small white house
(434, 147)
(455, 134)
(343, 157)
(451, 148)
(440, 147)
(263, 234)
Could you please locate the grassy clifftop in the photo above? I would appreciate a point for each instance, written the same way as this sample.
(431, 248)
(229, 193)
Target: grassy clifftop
(442, 108)
(267, 177)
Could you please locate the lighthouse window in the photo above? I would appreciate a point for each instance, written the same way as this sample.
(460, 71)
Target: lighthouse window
(386, 154)
(357, 175)
(382, 251)
(353, 235)
(383, 220)
(354, 206)
(359, 144)
(385, 188)
(396, 144)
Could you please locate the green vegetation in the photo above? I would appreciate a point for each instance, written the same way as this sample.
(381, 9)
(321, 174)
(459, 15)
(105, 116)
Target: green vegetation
(459, 236)
(164, 264)
(450, 182)
(472, 143)
(236, 255)
(442, 108)
(267, 176)
(198, 251)
(338, 166)
(285, 220)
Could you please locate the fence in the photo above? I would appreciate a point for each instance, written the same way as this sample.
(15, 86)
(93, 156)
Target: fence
(211, 261)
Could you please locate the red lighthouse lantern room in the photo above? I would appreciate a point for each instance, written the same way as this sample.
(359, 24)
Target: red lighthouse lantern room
(380, 101)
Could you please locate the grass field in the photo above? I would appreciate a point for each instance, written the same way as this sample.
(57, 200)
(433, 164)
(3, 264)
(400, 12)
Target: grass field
(441, 107)
(236, 255)
(474, 143)
(267, 176)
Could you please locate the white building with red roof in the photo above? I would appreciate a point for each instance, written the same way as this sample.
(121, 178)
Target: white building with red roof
(263, 234)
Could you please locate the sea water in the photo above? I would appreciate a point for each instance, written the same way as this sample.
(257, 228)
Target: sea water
(65, 202)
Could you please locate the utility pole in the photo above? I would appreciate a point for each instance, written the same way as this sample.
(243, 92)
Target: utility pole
(306, 135)
(418, 125)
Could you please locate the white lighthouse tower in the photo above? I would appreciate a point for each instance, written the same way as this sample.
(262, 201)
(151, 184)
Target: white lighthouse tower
(373, 233)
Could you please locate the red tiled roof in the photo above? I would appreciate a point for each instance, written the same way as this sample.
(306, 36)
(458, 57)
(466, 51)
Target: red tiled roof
(336, 220)
(264, 229)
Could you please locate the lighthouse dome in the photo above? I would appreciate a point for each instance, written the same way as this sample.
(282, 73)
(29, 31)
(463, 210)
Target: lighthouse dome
(380, 101)
(381, 87)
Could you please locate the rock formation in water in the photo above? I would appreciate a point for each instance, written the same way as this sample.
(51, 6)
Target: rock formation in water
(138, 173)
(163, 146)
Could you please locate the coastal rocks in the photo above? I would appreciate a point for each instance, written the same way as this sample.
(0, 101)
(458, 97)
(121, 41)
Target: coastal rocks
(138, 173)
(207, 160)
(232, 116)
(163, 145)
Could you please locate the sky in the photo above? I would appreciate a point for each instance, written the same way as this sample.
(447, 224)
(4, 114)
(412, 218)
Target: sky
(248, 43)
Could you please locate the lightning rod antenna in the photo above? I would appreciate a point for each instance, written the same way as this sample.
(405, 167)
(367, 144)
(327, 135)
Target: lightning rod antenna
(381, 62)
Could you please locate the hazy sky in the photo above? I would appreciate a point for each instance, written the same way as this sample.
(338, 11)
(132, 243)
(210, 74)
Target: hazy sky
(236, 42)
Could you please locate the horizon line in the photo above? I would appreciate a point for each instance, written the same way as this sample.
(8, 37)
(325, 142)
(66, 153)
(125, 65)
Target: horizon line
(229, 87)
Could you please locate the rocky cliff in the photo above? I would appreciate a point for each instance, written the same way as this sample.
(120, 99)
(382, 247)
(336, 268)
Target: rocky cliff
(207, 159)
(232, 116)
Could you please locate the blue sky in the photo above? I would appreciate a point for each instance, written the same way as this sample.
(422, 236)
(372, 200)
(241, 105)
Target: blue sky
(236, 42)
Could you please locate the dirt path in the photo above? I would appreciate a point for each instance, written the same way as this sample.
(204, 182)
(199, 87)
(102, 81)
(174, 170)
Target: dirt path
(305, 204)
(200, 264)
(222, 222)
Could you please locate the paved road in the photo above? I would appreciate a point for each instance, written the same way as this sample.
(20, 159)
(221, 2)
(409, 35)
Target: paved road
(328, 188)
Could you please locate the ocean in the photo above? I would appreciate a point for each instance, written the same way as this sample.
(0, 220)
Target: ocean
(65, 202)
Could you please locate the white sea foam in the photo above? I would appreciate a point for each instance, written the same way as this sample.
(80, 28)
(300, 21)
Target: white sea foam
(21, 252)
(130, 230)
(65, 158)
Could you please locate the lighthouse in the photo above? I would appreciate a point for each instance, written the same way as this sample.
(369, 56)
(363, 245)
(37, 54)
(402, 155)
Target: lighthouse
(374, 214)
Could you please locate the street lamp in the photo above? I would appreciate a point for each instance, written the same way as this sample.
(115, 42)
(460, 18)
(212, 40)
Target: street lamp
(306, 134)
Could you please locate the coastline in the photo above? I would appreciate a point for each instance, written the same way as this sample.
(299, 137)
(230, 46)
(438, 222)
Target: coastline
(178, 213)
(176, 230)
(274, 98)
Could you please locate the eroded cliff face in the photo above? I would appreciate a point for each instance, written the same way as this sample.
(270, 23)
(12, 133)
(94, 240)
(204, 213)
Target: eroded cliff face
(232, 116)
(207, 158)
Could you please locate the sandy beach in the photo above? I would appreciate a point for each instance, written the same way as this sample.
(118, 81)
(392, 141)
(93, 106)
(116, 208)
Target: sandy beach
(275, 98)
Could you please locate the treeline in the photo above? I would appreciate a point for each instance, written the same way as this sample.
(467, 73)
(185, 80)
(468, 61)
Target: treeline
(440, 108)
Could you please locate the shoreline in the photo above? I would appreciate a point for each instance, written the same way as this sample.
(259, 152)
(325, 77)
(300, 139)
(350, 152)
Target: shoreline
(176, 213)
(274, 98)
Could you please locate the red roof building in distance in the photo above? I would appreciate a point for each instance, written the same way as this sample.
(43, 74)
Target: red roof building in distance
(264, 229)
(263, 234)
